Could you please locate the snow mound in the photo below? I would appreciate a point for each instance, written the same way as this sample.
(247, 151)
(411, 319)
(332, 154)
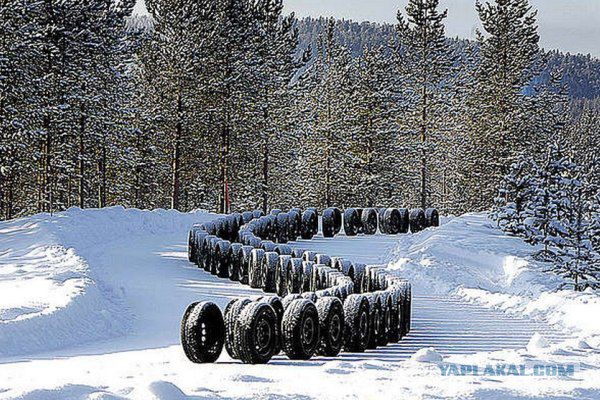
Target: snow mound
(538, 344)
(52, 292)
(427, 355)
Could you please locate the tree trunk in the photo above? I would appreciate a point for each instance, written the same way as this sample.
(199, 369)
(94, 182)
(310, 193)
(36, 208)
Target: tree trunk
(81, 161)
(265, 175)
(176, 159)
(102, 172)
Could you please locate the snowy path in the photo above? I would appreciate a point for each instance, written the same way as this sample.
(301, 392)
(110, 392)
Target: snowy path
(448, 324)
(147, 272)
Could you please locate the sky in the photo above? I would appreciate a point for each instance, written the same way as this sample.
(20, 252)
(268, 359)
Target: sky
(568, 25)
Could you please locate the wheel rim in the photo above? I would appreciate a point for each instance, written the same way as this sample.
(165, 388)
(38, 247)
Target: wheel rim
(363, 325)
(263, 337)
(308, 331)
(335, 327)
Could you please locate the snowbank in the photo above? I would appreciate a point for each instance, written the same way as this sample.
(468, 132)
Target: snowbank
(50, 297)
(470, 258)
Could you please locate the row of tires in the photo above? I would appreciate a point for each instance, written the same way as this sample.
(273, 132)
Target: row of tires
(357, 306)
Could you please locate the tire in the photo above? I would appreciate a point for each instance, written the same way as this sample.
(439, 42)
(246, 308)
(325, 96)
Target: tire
(206, 253)
(232, 313)
(328, 223)
(247, 216)
(387, 310)
(404, 220)
(268, 270)
(357, 275)
(294, 275)
(432, 217)
(381, 220)
(310, 296)
(307, 271)
(255, 268)
(214, 258)
(223, 254)
(295, 225)
(331, 325)
(309, 256)
(235, 263)
(257, 214)
(417, 220)
(375, 321)
(281, 275)
(337, 213)
(297, 253)
(392, 221)
(203, 332)
(283, 227)
(256, 332)
(351, 222)
(200, 237)
(245, 263)
(268, 246)
(323, 259)
(359, 228)
(277, 304)
(287, 300)
(192, 255)
(369, 221)
(300, 333)
(283, 250)
(356, 323)
(310, 224)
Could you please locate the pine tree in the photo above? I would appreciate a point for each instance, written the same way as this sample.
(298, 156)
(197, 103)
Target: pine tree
(507, 62)
(426, 61)
(512, 205)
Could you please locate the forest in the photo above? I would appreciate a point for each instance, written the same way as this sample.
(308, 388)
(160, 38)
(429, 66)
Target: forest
(227, 105)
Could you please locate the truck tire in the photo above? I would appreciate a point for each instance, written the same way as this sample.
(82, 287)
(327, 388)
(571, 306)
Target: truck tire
(417, 220)
(232, 313)
(432, 217)
(269, 267)
(351, 222)
(369, 221)
(328, 223)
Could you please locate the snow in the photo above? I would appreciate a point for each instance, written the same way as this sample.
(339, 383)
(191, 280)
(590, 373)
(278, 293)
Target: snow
(90, 305)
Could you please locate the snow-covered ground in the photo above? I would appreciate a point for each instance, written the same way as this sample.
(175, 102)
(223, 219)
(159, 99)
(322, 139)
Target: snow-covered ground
(90, 304)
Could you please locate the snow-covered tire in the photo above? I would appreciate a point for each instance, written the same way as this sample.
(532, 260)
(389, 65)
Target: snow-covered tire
(331, 324)
(297, 252)
(192, 255)
(392, 221)
(328, 223)
(247, 216)
(283, 250)
(404, 220)
(206, 253)
(287, 300)
(223, 255)
(214, 258)
(417, 220)
(268, 246)
(256, 332)
(387, 310)
(255, 268)
(381, 220)
(310, 224)
(323, 259)
(356, 323)
(312, 296)
(277, 304)
(357, 273)
(245, 264)
(337, 213)
(309, 256)
(375, 321)
(432, 217)
(300, 330)
(202, 332)
(295, 225)
(307, 271)
(294, 275)
(257, 214)
(369, 221)
(351, 222)
(268, 270)
(359, 229)
(283, 226)
(235, 262)
(231, 315)
(281, 275)
(200, 237)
